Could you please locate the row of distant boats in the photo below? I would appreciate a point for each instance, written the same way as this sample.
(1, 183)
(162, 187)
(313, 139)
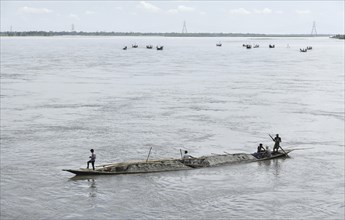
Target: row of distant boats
(147, 47)
(305, 49)
(248, 46)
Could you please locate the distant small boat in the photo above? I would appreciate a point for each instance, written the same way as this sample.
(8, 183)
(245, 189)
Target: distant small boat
(256, 46)
(159, 48)
(219, 44)
(149, 46)
(125, 48)
(303, 50)
(272, 46)
(249, 46)
(309, 48)
(134, 45)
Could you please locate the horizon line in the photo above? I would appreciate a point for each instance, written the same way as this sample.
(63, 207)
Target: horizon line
(160, 33)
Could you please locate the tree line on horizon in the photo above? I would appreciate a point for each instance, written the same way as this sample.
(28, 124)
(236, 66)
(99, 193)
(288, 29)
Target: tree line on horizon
(339, 36)
(171, 34)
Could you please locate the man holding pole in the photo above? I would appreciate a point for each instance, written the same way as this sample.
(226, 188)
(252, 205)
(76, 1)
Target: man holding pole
(277, 141)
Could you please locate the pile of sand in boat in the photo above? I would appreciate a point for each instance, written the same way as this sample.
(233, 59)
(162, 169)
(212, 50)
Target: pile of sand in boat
(166, 164)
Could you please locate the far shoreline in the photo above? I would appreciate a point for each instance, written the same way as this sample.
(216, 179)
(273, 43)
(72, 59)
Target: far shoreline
(140, 34)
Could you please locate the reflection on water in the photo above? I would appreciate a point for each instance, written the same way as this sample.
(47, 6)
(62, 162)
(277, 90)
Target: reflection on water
(93, 190)
(275, 163)
(91, 182)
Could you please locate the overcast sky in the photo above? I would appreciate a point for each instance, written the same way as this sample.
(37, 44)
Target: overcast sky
(270, 17)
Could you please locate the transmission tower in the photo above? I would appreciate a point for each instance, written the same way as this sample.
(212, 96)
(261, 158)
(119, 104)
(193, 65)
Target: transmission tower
(313, 29)
(184, 29)
(72, 28)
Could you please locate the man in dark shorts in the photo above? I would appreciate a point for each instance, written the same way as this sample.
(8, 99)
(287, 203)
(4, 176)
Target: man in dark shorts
(92, 160)
(277, 141)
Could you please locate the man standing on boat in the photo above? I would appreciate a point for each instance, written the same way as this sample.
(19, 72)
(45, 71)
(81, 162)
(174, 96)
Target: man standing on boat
(92, 160)
(277, 141)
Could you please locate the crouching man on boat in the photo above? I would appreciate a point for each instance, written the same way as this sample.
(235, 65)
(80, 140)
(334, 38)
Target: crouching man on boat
(261, 151)
(92, 160)
(186, 155)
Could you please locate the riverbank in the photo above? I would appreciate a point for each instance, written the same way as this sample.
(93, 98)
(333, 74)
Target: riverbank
(339, 36)
(172, 34)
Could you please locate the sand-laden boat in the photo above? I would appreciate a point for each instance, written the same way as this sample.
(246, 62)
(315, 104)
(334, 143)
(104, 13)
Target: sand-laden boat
(164, 165)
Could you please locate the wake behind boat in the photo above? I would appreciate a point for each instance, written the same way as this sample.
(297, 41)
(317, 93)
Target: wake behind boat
(164, 165)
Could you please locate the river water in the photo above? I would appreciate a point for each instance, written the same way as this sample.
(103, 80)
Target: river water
(62, 96)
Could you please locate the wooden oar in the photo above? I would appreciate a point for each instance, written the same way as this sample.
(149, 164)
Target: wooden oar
(283, 151)
(271, 137)
(305, 148)
(148, 155)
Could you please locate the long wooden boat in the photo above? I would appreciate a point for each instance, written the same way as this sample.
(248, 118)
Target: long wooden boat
(164, 165)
